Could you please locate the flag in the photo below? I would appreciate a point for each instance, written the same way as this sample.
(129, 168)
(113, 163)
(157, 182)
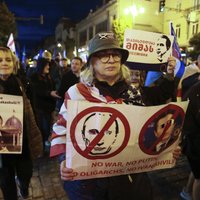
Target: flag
(54, 54)
(64, 54)
(151, 77)
(180, 67)
(24, 55)
(40, 53)
(175, 47)
(11, 43)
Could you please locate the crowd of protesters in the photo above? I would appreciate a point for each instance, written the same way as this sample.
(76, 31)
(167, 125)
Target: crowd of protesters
(50, 82)
(46, 82)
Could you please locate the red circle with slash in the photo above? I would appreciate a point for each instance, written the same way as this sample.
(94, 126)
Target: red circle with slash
(178, 112)
(114, 115)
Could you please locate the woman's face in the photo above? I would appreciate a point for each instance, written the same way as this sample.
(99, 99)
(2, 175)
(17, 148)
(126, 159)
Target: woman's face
(106, 65)
(46, 69)
(135, 77)
(6, 63)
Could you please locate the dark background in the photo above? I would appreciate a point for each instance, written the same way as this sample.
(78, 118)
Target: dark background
(27, 12)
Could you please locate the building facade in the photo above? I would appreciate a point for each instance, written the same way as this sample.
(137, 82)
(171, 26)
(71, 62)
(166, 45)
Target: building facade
(96, 21)
(185, 15)
(148, 15)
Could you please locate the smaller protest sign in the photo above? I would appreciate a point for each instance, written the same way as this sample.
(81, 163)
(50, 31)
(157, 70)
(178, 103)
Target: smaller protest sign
(147, 50)
(11, 124)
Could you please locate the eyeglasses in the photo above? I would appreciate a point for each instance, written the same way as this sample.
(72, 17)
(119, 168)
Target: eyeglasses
(105, 56)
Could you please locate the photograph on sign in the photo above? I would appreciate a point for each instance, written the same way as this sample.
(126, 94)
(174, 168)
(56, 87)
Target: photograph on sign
(162, 130)
(147, 50)
(11, 124)
(99, 132)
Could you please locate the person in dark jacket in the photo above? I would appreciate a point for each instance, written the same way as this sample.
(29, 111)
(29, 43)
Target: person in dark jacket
(191, 133)
(16, 165)
(43, 101)
(69, 78)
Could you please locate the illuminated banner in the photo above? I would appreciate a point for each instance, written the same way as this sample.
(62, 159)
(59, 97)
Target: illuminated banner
(110, 140)
(11, 124)
(147, 50)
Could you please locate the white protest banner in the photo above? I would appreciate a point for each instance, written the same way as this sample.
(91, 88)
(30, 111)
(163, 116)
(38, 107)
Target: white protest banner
(11, 124)
(113, 139)
(147, 50)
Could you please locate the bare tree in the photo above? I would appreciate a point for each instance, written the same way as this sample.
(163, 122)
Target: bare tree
(7, 23)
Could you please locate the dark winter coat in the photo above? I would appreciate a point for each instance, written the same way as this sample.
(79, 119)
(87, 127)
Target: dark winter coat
(41, 87)
(191, 128)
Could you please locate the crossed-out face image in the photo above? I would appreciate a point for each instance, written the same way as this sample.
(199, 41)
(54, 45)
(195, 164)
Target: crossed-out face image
(162, 132)
(92, 126)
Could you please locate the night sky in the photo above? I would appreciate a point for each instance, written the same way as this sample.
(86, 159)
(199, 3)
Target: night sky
(31, 32)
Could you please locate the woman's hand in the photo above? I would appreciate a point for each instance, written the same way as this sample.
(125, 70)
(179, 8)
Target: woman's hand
(54, 94)
(171, 65)
(177, 152)
(67, 174)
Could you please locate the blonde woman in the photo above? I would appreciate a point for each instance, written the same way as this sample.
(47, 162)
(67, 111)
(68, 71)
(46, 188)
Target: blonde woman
(16, 165)
(107, 80)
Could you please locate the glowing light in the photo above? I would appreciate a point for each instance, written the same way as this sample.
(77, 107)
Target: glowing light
(141, 10)
(59, 45)
(134, 11)
(126, 11)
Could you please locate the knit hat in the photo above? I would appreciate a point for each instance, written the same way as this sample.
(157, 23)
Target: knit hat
(104, 41)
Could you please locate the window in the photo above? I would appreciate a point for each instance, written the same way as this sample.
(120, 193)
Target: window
(162, 5)
(196, 4)
(82, 37)
(101, 26)
(178, 31)
(195, 27)
(178, 6)
(90, 32)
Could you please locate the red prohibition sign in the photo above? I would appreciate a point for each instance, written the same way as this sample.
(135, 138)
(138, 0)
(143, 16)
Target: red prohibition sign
(114, 114)
(178, 113)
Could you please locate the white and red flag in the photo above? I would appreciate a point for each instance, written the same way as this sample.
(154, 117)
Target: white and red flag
(11, 43)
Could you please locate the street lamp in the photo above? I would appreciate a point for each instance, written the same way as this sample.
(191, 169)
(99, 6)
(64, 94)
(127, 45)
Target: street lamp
(59, 45)
(134, 11)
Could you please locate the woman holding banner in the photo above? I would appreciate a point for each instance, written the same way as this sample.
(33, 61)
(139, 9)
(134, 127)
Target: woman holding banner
(17, 168)
(107, 80)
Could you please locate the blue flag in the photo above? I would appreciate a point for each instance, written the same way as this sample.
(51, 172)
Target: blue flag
(151, 77)
(40, 53)
(54, 54)
(180, 67)
(24, 55)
